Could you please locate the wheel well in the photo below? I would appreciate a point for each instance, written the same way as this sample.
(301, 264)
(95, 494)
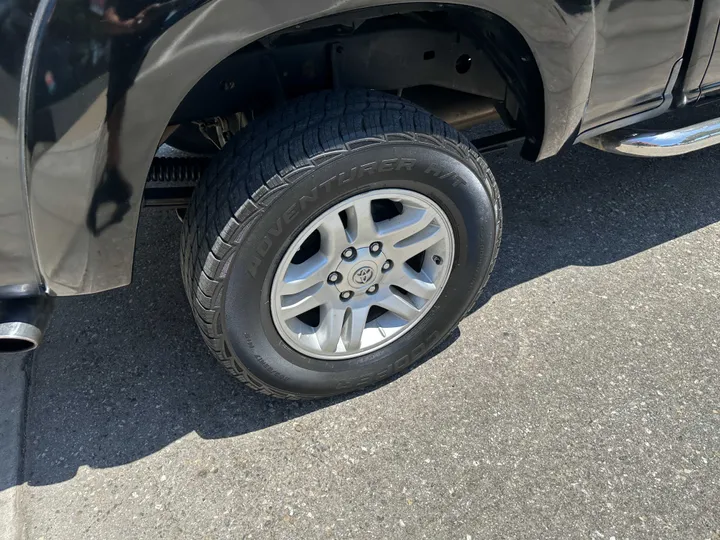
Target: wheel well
(458, 62)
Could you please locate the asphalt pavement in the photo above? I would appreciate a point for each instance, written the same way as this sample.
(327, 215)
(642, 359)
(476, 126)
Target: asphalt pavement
(581, 399)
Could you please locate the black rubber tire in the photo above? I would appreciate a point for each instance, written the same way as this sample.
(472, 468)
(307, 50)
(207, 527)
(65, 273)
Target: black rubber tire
(245, 213)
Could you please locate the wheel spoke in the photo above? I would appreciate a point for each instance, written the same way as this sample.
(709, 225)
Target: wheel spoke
(418, 242)
(399, 306)
(300, 277)
(414, 282)
(354, 327)
(330, 328)
(333, 237)
(411, 221)
(360, 222)
(293, 305)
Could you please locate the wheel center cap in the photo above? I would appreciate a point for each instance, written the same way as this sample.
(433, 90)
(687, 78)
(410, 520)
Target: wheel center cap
(363, 276)
(362, 272)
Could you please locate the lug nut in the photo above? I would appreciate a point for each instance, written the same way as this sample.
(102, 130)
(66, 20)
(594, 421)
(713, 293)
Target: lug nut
(349, 254)
(373, 289)
(387, 266)
(334, 277)
(375, 247)
(345, 296)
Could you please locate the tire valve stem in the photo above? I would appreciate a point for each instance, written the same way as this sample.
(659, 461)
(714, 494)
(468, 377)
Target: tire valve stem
(437, 259)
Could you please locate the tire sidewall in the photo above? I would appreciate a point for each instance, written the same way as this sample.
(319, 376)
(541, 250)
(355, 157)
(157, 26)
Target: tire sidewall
(450, 174)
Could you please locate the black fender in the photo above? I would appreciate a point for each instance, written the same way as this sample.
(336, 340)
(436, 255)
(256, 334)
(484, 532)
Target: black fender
(87, 163)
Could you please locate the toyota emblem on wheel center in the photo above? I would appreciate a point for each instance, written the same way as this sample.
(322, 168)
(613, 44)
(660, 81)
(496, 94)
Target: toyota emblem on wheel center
(363, 275)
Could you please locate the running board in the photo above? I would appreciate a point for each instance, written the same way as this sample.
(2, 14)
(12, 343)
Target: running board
(645, 143)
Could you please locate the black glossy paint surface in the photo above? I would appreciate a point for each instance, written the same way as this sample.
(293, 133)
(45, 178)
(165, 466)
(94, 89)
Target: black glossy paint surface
(109, 75)
(703, 75)
(637, 44)
(17, 270)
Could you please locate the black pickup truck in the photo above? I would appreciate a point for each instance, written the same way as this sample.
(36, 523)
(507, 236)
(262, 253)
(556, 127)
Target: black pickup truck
(337, 221)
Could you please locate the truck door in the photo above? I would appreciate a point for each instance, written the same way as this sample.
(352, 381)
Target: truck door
(703, 74)
(638, 46)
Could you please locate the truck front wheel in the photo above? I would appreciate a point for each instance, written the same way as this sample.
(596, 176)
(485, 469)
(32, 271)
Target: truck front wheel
(336, 242)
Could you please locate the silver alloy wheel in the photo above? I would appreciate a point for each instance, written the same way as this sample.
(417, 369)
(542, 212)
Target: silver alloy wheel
(374, 296)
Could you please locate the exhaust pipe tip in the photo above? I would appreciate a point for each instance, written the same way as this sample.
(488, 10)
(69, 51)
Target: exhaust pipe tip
(19, 337)
(23, 322)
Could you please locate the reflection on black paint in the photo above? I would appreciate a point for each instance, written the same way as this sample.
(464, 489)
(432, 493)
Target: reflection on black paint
(132, 26)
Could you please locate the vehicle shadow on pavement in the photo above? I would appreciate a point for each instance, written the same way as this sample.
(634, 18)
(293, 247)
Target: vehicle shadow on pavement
(125, 373)
(588, 208)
